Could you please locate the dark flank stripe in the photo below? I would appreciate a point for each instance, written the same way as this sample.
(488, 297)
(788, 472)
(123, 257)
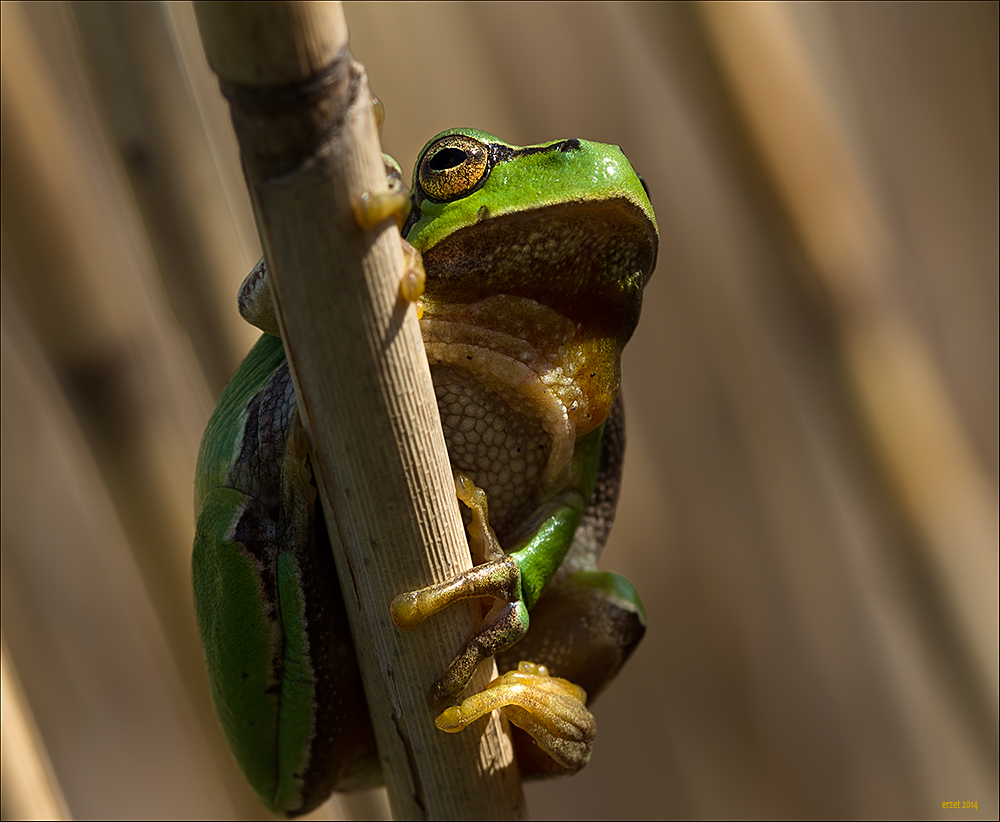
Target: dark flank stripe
(501, 154)
(343, 753)
(251, 425)
(256, 469)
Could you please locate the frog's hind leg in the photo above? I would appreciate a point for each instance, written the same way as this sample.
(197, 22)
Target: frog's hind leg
(552, 711)
(583, 630)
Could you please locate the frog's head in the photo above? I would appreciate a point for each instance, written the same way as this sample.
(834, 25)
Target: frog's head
(568, 223)
(535, 257)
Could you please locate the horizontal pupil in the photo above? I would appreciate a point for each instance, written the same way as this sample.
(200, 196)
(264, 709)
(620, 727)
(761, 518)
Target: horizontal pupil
(447, 158)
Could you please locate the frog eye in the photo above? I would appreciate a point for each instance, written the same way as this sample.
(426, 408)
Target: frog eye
(453, 167)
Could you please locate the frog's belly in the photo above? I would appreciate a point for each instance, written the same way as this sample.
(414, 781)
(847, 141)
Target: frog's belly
(503, 451)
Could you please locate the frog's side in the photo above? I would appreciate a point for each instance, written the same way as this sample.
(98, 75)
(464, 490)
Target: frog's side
(536, 258)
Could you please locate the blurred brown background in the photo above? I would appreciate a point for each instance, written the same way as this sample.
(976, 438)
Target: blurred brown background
(810, 501)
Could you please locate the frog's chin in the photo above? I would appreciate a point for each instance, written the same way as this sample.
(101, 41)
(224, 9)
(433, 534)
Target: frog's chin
(536, 359)
(587, 260)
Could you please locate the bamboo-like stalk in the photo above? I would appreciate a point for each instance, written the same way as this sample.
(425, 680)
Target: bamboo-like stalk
(30, 788)
(307, 135)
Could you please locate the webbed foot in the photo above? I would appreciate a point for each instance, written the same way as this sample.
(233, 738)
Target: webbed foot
(552, 710)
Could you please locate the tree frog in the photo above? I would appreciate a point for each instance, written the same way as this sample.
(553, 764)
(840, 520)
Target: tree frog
(536, 258)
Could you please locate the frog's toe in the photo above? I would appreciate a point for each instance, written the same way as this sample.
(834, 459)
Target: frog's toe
(551, 710)
(411, 284)
(500, 579)
(372, 207)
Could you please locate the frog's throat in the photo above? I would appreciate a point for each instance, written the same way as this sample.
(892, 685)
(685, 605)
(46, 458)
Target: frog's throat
(536, 359)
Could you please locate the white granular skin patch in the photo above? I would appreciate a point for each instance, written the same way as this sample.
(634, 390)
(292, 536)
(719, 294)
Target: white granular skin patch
(502, 451)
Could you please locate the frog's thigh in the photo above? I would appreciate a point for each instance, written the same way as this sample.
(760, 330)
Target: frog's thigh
(236, 598)
(281, 664)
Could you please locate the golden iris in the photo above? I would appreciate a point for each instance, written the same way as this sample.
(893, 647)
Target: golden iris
(453, 167)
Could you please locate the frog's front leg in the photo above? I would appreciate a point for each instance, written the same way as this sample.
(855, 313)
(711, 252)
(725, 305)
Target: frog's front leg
(553, 711)
(255, 300)
(499, 576)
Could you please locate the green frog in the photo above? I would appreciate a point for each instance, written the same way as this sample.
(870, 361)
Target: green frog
(535, 261)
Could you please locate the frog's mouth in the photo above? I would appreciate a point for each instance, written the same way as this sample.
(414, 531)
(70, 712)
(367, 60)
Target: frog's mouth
(537, 307)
